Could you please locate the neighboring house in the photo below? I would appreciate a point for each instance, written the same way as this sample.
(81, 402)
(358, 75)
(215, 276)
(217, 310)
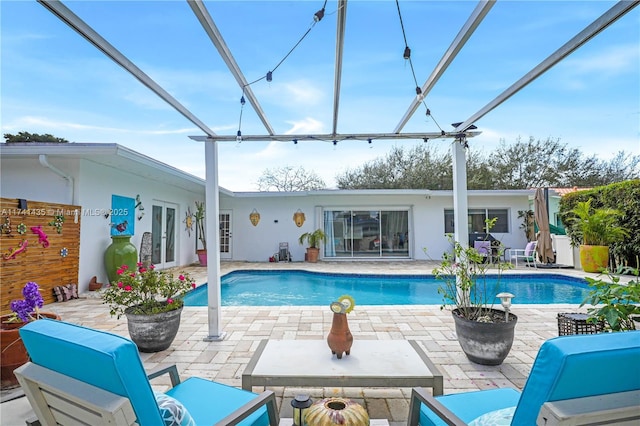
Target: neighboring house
(360, 224)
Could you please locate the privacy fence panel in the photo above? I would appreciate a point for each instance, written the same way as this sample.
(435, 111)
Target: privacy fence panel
(38, 242)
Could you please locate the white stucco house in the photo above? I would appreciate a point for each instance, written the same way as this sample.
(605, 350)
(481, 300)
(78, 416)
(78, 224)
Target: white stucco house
(401, 225)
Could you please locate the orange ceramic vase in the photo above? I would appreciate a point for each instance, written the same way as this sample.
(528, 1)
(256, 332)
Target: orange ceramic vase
(340, 338)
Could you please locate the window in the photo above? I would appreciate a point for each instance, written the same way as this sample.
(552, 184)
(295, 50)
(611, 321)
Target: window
(366, 233)
(477, 219)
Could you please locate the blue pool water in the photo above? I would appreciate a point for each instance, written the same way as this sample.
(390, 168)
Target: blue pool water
(295, 288)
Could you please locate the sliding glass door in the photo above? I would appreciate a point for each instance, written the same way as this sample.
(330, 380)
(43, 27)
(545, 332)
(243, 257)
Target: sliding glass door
(366, 233)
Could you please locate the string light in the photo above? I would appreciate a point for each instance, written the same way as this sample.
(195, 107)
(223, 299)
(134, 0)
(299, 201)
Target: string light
(335, 142)
(239, 134)
(407, 56)
(317, 17)
(295, 141)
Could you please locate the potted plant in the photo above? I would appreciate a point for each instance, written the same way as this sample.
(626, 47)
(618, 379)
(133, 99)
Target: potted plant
(199, 216)
(14, 354)
(484, 332)
(596, 229)
(313, 240)
(152, 302)
(615, 304)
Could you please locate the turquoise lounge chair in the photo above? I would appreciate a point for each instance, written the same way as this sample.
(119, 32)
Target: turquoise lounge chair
(572, 368)
(91, 371)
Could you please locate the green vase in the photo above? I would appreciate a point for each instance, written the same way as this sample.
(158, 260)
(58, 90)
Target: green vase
(120, 252)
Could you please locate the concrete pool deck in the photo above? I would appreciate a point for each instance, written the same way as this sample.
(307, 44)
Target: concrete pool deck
(225, 361)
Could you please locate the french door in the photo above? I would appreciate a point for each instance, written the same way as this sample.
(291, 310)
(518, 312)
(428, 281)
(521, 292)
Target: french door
(163, 234)
(226, 239)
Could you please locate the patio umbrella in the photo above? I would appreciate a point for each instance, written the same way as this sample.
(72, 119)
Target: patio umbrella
(544, 247)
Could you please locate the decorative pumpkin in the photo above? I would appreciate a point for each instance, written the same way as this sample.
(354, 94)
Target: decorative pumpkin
(336, 411)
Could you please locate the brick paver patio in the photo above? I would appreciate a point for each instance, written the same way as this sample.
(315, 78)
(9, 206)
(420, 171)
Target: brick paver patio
(225, 361)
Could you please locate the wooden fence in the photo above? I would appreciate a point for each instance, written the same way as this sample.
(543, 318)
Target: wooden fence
(38, 243)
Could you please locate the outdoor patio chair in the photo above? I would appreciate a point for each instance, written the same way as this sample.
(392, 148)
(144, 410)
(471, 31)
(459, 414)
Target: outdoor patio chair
(79, 375)
(528, 254)
(594, 378)
(284, 255)
(484, 249)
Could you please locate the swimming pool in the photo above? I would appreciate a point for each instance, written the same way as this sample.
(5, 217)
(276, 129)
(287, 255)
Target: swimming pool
(304, 288)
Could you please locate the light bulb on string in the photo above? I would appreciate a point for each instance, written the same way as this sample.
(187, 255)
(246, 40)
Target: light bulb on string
(317, 17)
(269, 76)
(242, 101)
(419, 95)
(407, 53)
(239, 136)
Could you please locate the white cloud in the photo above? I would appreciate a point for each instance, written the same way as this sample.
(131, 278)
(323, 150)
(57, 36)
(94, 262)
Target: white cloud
(308, 125)
(612, 61)
(303, 92)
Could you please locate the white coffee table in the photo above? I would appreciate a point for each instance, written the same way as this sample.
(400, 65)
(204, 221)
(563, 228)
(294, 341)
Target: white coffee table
(372, 363)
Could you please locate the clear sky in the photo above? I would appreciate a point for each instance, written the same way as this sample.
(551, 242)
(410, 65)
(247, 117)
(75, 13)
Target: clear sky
(54, 81)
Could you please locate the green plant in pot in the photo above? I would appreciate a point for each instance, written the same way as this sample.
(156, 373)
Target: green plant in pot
(596, 229)
(152, 301)
(313, 240)
(470, 288)
(615, 303)
(199, 216)
(13, 352)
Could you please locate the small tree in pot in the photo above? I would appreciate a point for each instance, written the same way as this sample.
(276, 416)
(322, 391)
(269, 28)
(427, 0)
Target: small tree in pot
(484, 333)
(596, 229)
(200, 218)
(313, 239)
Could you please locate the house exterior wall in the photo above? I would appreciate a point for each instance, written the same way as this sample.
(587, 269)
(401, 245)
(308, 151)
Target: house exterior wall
(99, 182)
(94, 184)
(426, 219)
(28, 179)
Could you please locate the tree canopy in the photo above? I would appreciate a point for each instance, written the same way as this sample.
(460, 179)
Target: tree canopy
(32, 137)
(523, 164)
(288, 179)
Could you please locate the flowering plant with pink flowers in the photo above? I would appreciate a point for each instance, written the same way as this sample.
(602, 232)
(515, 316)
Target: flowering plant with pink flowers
(146, 291)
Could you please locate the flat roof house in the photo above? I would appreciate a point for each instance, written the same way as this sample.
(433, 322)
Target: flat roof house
(360, 224)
